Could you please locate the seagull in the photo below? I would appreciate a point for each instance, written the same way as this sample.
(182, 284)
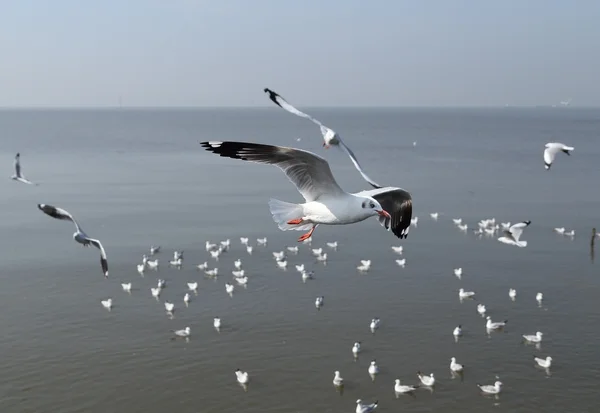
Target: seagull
(319, 302)
(202, 266)
(545, 363)
(261, 241)
(428, 381)
(373, 368)
(153, 265)
(490, 325)
(512, 293)
(465, 294)
(463, 228)
(434, 215)
(193, 286)
(79, 236)
(240, 273)
(552, 149)
(170, 307)
(282, 264)
(458, 272)
(126, 287)
(208, 246)
(161, 283)
(560, 230)
(512, 235)
(487, 389)
(539, 297)
(570, 233)
(212, 273)
(374, 324)
(176, 263)
(229, 288)
(337, 379)
(455, 367)
(300, 268)
(356, 348)
(332, 245)
(244, 240)
(400, 388)
(242, 280)
(481, 309)
(217, 323)
(398, 250)
(18, 176)
(401, 262)
(414, 221)
(364, 265)
(365, 408)
(330, 137)
(154, 250)
(307, 275)
(140, 268)
(242, 376)
(155, 292)
(534, 338)
(178, 255)
(457, 331)
(317, 251)
(279, 255)
(326, 203)
(182, 333)
(186, 298)
(107, 303)
(249, 249)
(293, 250)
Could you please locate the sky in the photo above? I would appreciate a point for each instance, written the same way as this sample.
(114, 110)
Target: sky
(73, 53)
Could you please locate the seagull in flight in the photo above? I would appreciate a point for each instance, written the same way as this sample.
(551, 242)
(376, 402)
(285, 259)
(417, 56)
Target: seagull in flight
(552, 149)
(330, 137)
(79, 236)
(326, 203)
(512, 235)
(18, 176)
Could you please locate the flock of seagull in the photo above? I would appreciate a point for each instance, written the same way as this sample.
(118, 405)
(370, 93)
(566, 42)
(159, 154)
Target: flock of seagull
(326, 203)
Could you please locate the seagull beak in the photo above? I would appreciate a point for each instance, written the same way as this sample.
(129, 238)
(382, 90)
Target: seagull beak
(384, 213)
(325, 145)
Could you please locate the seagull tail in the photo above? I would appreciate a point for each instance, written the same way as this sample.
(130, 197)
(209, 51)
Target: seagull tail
(285, 211)
(522, 244)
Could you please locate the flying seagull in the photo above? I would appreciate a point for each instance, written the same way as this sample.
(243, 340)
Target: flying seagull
(18, 176)
(552, 149)
(79, 236)
(512, 235)
(326, 203)
(330, 137)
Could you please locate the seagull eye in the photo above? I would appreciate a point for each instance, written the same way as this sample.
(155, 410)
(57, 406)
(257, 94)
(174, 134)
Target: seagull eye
(372, 205)
(364, 203)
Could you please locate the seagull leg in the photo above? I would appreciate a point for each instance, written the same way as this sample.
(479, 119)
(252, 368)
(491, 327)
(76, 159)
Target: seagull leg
(307, 235)
(296, 221)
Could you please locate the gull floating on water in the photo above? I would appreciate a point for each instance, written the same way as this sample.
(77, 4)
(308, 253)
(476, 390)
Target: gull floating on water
(79, 236)
(481, 309)
(240, 273)
(490, 325)
(332, 245)
(170, 307)
(373, 369)
(126, 287)
(300, 268)
(107, 303)
(374, 324)
(193, 286)
(18, 176)
(186, 298)
(212, 273)
(182, 333)
(457, 221)
(293, 250)
(356, 348)
(330, 137)
(512, 293)
(242, 280)
(428, 381)
(152, 264)
(365, 408)
(337, 379)
(401, 262)
(463, 228)
(229, 288)
(244, 240)
(317, 251)
(434, 215)
(322, 258)
(552, 149)
(539, 297)
(512, 235)
(176, 263)
(161, 283)
(457, 331)
(242, 376)
(414, 221)
(249, 249)
(155, 292)
(458, 272)
(279, 255)
(154, 250)
(217, 323)
(365, 265)
(319, 302)
(398, 250)
(140, 268)
(401, 388)
(307, 275)
(487, 389)
(326, 203)
(455, 367)
(533, 338)
(282, 264)
(465, 294)
(261, 241)
(202, 266)
(560, 230)
(545, 363)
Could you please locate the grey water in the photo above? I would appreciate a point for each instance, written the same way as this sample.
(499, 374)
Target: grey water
(134, 178)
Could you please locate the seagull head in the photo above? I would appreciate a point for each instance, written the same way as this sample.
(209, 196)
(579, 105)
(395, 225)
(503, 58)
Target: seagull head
(373, 207)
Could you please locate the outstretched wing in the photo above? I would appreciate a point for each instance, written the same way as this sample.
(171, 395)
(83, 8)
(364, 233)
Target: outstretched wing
(398, 203)
(58, 213)
(308, 172)
(356, 164)
(18, 165)
(517, 229)
(282, 103)
(103, 260)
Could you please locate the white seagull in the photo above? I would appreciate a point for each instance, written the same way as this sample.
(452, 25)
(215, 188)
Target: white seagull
(365, 408)
(182, 333)
(457, 331)
(356, 348)
(512, 235)
(107, 303)
(326, 203)
(401, 262)
(193, 286)
(242, 377)
(170, 307)
(487, 389)
(18, 176)
(332, 245)
(319, 302)
(458, 272)
(545, 363)
(512, 293)
(229, 288)
(428, 381)
(373, 368)
(401, 388)
(534, 338)
(434, 215)
(217, 323)
(455, 367)
(154, 250)
(337, 379)
(481, 309)
(398, 250)
(539, 297)
(465, 294)
(374, 324)
(365, 265)
(79, 236)
(552, 149)
(126, 287)
(491, 325)
(330, 137)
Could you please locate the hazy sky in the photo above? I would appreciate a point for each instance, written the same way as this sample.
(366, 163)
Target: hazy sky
(313, 52)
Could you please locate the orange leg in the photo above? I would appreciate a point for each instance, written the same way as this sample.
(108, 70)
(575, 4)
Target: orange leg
(296, 221)
(307, 235)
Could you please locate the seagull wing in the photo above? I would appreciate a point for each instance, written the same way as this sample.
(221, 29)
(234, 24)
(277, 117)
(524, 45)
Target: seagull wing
(549, 155)
(517, 229)
(308, 172)
(282, 103)
(103, 260)
(398, 203)
(58, 213)
(356, 164)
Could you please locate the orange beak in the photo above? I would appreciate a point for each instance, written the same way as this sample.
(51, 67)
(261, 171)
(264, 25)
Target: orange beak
(384, 213)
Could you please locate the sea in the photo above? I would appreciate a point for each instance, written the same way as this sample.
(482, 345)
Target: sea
(138, 177)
